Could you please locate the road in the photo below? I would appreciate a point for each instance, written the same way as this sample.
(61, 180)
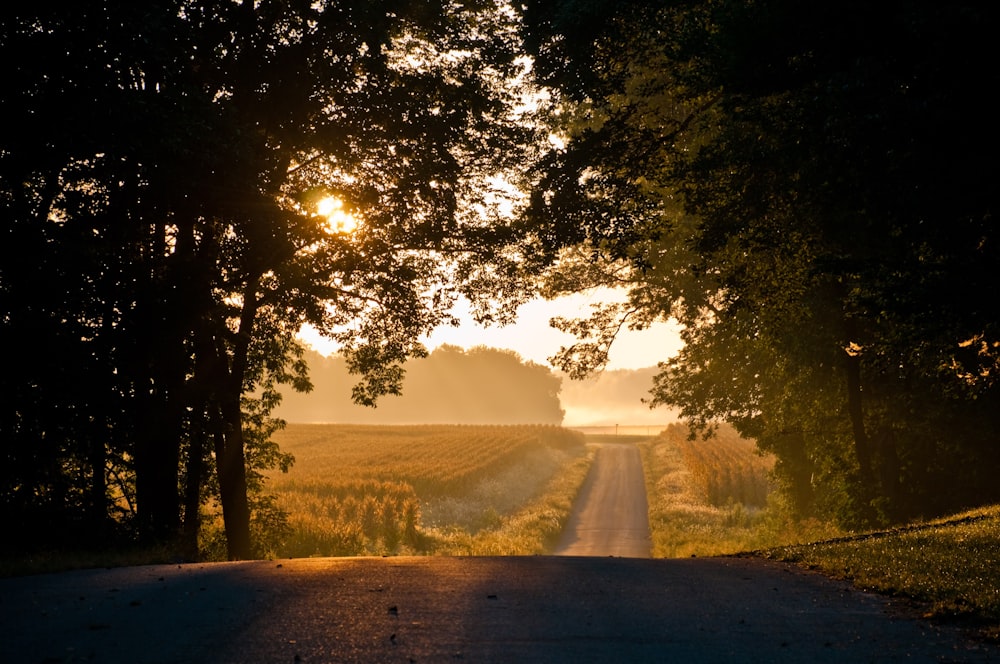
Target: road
(545, 609)
(610, 517)
(602, 600)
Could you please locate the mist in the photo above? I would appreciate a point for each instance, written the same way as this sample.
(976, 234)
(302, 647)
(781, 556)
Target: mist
(612, 398)
(477, 386)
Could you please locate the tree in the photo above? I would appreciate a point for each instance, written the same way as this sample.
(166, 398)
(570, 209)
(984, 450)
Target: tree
(814, 205)
(170, 166)
(450, 386)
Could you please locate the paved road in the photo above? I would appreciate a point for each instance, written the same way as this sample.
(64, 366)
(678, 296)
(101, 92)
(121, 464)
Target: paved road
(436, 609)
(582, 606)
(610, 517)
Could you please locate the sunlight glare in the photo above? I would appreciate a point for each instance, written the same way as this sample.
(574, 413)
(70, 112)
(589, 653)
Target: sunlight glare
(338, 219)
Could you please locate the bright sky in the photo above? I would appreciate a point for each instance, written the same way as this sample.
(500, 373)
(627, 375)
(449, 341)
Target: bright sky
(533, 339)
(531, 336)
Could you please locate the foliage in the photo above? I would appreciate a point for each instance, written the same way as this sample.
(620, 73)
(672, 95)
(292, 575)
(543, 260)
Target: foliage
(806, 190)
(162, 241)
(450, 386)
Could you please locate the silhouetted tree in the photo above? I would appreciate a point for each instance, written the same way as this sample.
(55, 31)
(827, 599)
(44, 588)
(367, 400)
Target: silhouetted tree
(808, 189)
(161, 244)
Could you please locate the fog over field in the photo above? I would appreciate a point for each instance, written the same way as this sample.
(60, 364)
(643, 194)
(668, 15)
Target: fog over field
(478, 386)
(611, 398)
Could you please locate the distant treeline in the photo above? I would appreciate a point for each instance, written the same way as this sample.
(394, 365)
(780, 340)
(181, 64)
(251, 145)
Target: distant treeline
(478, 386)
(451, 386)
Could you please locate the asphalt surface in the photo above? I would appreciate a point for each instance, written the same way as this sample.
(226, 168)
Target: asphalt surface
(610, 516)
(436, 609)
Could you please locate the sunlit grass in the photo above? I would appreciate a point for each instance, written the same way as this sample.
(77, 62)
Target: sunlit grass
(348, 518)
(951, 565)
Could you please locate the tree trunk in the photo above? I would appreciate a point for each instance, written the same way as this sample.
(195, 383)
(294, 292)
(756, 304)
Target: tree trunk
(232, 465)
(888, 472)
(230, 460)
(797, 468)
(220, 394)
(221, 365)
(157, 460)
(192, 489)
(98, 500)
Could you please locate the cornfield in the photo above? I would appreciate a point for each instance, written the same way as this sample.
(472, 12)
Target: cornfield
(725, 469)
(363, 490)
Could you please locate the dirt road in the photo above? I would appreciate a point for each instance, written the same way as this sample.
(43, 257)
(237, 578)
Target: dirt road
(434, 609)
(610, 516)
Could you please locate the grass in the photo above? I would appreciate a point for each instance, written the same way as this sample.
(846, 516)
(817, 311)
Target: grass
(950, 566)
(699, 493)
(531, 529)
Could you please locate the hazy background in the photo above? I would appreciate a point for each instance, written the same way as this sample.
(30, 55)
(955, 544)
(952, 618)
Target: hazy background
(479, 385)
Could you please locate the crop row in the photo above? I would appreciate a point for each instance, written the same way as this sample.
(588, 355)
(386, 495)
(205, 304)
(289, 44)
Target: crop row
(350, 518)
(359, 489)
(434, 460)
(724, 469)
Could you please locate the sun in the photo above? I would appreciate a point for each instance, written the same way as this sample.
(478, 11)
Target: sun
(338, 219)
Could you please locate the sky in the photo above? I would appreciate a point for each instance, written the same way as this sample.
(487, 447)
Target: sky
(534, 339)
(531, 336)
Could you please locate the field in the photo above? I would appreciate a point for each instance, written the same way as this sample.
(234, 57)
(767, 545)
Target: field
(508, 490)
(377, 490)
(713, 497)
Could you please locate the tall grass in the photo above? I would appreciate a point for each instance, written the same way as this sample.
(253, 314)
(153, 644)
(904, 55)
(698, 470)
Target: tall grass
(725, 469)
(713, 497)
(348, 518)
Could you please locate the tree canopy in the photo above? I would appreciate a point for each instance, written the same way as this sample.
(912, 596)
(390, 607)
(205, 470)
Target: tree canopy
(163, 243)
(808, 190)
